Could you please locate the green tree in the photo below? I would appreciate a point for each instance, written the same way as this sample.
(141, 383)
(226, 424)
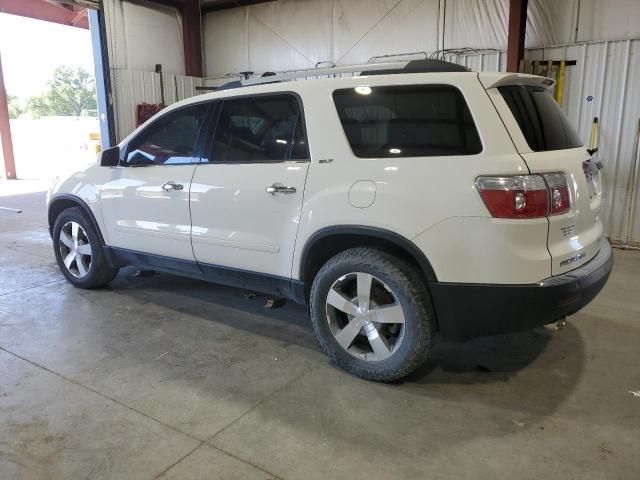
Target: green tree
(71, 91)
(14, 107)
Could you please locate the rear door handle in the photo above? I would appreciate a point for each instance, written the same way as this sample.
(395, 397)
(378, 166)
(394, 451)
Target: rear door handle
(167, 187)
(279, 188)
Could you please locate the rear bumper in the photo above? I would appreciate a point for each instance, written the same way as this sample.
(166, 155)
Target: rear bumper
(467, 311)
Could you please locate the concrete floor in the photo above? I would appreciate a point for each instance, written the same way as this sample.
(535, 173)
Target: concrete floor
(172, 378)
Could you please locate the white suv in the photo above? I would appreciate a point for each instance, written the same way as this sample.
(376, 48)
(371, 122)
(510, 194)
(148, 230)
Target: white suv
(401, 203)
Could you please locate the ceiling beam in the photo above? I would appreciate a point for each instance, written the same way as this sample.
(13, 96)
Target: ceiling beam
(218, 5)
(170, 3)
(47, 11)
(81, 16)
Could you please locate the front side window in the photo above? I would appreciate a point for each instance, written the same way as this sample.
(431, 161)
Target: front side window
(407, 121)
(262, 129)
(170, 140)
(543, 124)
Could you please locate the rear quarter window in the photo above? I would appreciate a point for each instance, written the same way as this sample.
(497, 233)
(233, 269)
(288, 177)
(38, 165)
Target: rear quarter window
(407, 121)
(543, 124)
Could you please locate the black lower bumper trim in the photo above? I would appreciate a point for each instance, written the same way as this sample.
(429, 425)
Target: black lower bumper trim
(466, 311)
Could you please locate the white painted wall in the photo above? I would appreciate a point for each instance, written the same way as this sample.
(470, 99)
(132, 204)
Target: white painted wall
(295, 34)
(608, 20)
(141, 35)
(484, 24)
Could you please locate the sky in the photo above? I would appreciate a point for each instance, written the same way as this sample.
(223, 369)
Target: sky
(32, 49)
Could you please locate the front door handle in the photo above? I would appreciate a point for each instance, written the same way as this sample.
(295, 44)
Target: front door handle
(279, 188)
(167, 187)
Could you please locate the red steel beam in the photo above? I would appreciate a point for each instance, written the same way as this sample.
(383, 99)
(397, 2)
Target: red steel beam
(80, 18)
(192, 38)
(517, 28)
(5, 131)
(44, 10)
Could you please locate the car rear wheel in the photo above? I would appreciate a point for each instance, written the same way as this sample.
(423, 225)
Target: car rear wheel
(372, 314)
(78, 251)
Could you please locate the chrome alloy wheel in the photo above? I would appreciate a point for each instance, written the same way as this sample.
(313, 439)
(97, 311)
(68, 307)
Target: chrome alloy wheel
(75, 249)
(365, 316)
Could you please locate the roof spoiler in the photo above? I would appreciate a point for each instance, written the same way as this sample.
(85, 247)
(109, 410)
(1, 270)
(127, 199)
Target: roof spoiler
(494, 80)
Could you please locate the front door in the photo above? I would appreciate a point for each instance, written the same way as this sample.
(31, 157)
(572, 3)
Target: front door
(146, 202)
(246, 201)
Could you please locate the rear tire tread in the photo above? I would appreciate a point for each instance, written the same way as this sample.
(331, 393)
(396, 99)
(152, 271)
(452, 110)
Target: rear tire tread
(411, 280)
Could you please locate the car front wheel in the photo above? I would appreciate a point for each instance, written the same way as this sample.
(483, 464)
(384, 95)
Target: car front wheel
(78, 251)
(372, 314)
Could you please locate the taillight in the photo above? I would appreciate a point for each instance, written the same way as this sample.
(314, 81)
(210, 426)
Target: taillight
(524, 196)
(558, 193)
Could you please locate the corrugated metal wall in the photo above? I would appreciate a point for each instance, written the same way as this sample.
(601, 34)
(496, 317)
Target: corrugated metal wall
(132, 87)
(139, 36)
(484, 61)
(604, 84)
(295, 34)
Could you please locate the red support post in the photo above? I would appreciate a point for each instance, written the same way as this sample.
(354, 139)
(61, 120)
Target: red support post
(192, 37)
(5, 131)
(517, 28)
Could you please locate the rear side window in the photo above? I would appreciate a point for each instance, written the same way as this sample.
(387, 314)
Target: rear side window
(265, 128)
(407, 121)
(541, 120)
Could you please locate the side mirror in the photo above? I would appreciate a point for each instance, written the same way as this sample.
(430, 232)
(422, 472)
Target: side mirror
(110, 157)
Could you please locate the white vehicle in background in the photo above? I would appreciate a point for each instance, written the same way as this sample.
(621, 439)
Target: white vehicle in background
(410, 201)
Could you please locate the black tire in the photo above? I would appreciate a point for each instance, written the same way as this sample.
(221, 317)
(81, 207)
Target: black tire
(99, 272)
(410, 290)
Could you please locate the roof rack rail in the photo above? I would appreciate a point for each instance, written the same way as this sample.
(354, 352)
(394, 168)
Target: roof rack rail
(388, 68)
(424, 66)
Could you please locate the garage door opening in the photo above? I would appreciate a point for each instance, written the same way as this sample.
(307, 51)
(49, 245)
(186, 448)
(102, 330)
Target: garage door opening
(52, 95)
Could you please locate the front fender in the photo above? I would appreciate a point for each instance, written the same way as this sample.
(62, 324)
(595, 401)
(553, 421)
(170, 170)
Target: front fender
(81, 188)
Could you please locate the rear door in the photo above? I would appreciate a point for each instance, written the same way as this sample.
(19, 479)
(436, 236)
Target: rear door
(247, 198)
(548, 143)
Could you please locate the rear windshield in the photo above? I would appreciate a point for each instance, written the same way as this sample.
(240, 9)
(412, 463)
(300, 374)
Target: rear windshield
(407, 121)
(542, 122)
